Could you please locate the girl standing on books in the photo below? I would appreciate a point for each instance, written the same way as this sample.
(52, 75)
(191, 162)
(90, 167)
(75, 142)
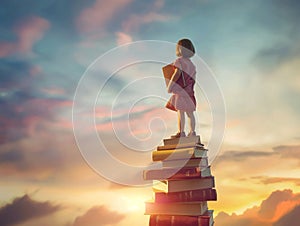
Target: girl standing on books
(182, 86)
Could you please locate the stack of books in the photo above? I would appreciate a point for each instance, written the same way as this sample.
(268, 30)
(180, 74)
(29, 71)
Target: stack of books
(182, 186)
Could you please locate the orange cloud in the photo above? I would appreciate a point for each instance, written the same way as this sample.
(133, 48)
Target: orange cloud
(98, 215)
(271, 211)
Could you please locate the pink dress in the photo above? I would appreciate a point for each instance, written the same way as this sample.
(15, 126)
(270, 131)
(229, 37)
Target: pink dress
(183, 98)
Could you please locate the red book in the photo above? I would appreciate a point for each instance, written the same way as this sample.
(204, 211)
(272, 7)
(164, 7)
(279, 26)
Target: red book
(177, 173)
(187, 196)
(165, 220)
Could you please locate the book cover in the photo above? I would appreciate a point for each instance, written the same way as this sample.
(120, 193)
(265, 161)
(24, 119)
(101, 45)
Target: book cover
(168, 71)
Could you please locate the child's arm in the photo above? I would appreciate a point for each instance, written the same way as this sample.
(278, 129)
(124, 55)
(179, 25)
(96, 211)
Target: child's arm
(174, 78)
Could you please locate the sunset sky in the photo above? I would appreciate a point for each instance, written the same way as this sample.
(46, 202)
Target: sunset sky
(48, 47)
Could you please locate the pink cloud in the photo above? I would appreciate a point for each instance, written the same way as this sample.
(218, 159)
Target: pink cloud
(31, 31)
(27, 117)
(35, 70)
(123, 38)
(94, 18)
(136, 119)
(53, 91)
(28, 32)
(7, 48)
(135, 21)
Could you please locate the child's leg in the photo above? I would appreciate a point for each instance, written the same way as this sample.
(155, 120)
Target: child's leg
(181, 120)
(192, 120)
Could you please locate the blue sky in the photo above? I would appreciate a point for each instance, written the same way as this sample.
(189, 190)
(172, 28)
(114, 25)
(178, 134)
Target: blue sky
(45, 48)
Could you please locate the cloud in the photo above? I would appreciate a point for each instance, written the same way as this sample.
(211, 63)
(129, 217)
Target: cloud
(47, 156)
(281, 27)
(24, 208)
(278, 208)
(26, 105)
(7, 48)
(23, 115)
(292, 218)
(98, 216)
(135, 21)
(288, 151)
(94, 19)
(153, 14)
(277, 54)
(283, 151)
(247, 172)
(28, 32)
(268, 207)
(224, 219)
(244, 155)
(276, 180)
(123, 38)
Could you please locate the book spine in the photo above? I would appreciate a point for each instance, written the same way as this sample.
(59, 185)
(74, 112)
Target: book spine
(182, 140)
(190, 184)
(186, 196)
(193, 162)
(179, 146)
(176, 173)
(178, 154)
(179, 209)
(161, 220)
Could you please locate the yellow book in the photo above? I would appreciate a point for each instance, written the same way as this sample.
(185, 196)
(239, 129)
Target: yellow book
(183, 153)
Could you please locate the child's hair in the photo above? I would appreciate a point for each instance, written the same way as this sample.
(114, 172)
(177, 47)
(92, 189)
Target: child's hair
(185, 48)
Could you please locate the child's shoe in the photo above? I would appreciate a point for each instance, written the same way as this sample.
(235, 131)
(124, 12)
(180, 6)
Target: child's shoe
(178, 135)
(192, 134)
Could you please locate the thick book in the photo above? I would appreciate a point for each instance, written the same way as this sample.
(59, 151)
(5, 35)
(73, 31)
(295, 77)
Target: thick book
(168, 71)
(167, 186)
(182, 140)
(180, 145)
(187, 196)
(169, 220)
(183, 153)
(176, 173)
(193, 162)
(188, 208)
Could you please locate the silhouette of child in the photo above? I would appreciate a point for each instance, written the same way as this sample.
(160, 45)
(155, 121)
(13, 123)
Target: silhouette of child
(182, 86)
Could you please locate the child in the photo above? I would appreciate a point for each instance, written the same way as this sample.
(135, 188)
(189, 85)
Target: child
(182, 86)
